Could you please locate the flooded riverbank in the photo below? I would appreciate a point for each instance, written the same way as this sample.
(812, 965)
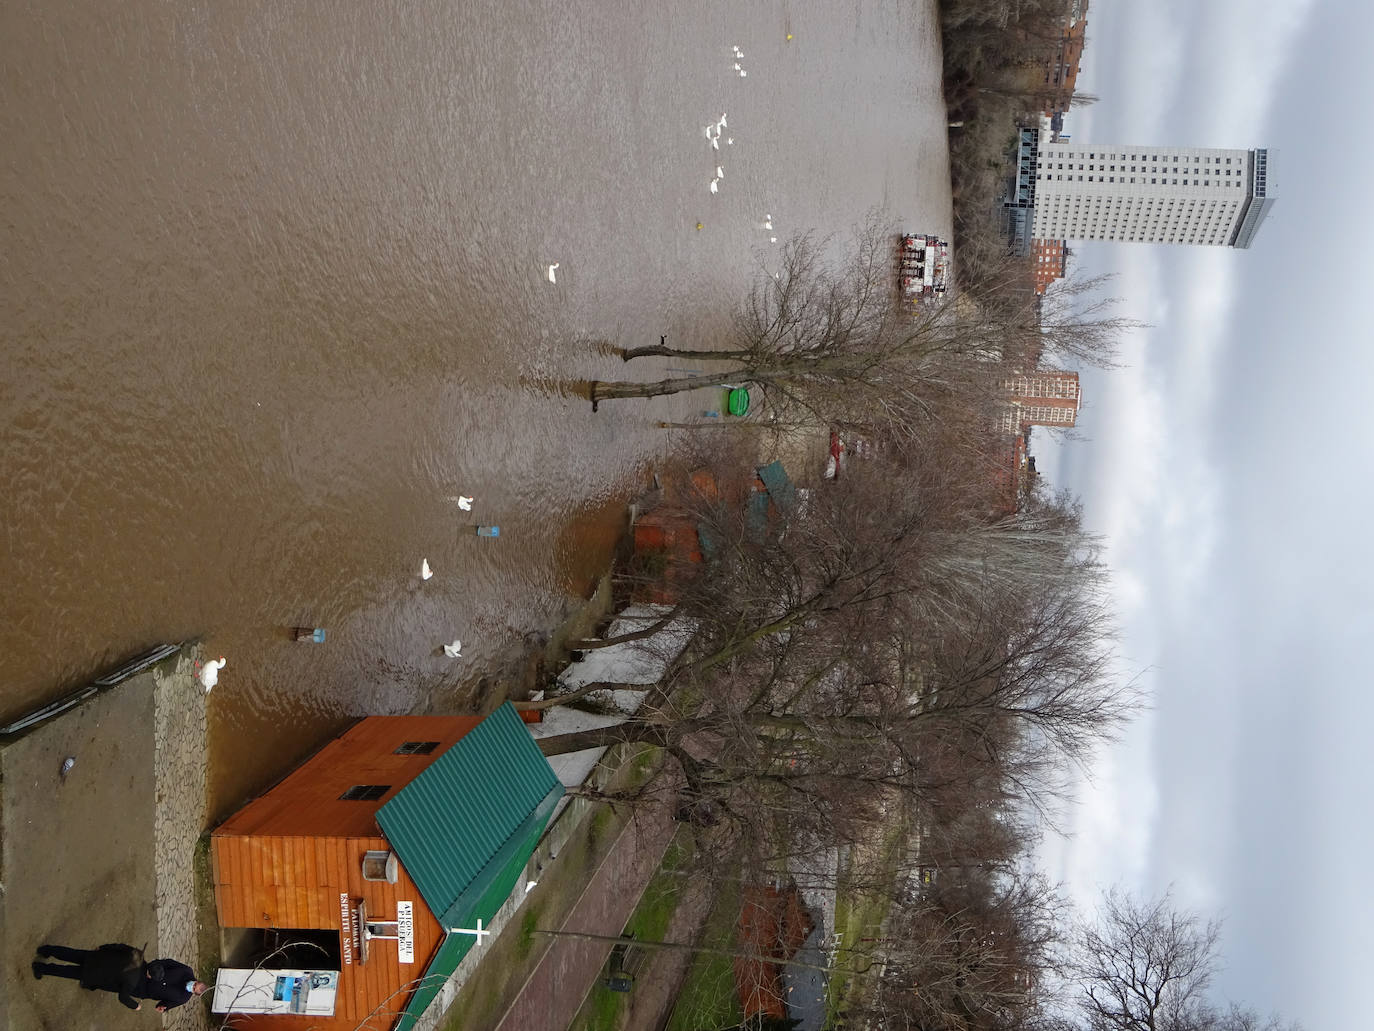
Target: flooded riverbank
(275, 292)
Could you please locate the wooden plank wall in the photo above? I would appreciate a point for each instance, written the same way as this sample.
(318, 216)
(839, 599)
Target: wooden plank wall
(307, 801)
(289, 882)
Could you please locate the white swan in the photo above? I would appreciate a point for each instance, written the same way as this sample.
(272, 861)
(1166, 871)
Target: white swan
(425, 571)
(550, 272)
(715, 142)
(454, 650)
(730, 142)
(714, 188)
(743, 74)
(737, 68)
(768, 223)
(772, 239)
(209, 673)
(465, 503)
(720, 172)
(721, 123)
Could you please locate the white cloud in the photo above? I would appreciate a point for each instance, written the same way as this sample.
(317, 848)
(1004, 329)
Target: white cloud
(1237, 61)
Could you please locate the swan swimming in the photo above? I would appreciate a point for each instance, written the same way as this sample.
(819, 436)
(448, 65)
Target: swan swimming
(425, 571)
(768, 224)
(714, 189)
(550, 272)
(465, 503)
(454, 650)
(720, 172)
(209, 673)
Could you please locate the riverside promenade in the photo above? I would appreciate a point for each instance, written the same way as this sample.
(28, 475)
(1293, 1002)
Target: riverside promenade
(105, 853)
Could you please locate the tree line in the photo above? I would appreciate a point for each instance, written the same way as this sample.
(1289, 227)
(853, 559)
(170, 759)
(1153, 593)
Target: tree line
(891, 666)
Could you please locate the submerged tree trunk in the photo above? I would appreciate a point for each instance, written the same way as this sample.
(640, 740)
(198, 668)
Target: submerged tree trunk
(572, 696)
(663, 351)
(587, 644)
(602, 390)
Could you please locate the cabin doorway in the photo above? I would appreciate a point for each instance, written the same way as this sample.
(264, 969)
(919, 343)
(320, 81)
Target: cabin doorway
(304, 948)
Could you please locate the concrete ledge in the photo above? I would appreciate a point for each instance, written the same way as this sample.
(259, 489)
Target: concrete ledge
(100, 855)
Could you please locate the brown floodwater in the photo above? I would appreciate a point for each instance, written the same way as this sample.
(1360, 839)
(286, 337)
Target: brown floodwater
(273, 291)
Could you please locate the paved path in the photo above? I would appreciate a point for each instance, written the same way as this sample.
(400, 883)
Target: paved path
(661, 978)
(554, 992)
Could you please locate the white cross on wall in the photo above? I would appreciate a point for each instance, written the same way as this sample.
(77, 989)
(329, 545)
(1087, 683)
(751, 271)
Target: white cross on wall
(477, 932)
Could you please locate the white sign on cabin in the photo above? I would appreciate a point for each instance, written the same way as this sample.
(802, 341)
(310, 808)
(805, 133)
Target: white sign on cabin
(345, 928)
(405, 931)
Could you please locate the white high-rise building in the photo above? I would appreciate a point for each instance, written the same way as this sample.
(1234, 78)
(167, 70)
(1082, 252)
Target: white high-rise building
(1189, 195)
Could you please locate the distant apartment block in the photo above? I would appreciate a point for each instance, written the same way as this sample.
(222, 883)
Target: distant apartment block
(1148, 194)
(1046, 397)
(1009, 471)
(1061, 66)
(1049, 262)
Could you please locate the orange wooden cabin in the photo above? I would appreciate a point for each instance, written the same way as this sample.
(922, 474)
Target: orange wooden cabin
(368, 860)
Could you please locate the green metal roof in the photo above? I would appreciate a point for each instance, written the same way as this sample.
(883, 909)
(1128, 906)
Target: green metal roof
(464, 830)
(780, 487)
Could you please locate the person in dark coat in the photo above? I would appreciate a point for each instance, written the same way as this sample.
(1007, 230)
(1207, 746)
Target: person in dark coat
(170, 983)
(120, 969)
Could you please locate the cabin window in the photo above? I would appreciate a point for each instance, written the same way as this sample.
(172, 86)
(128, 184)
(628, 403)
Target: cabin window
(365, 792)
(380, 866)
(417, 748)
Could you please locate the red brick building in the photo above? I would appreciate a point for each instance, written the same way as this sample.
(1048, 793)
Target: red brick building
(1061, 67)
(1009, 473)
(1049, 261)
(1043, 397)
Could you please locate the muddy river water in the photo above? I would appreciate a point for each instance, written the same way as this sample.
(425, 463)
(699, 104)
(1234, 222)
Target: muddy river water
(273, 291)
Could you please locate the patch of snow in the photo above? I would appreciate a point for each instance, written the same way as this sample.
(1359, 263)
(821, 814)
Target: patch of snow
(636, 662)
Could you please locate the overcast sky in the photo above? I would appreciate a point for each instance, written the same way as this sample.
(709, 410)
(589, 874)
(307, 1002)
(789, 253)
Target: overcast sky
(1227, 468)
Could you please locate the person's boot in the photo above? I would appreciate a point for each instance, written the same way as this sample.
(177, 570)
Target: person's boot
(45, 951)
(37, 973)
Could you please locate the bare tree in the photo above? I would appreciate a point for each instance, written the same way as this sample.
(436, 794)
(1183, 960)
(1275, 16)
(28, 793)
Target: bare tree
(1148, 966)
(968, 956)
(834, 344)
(882, 643)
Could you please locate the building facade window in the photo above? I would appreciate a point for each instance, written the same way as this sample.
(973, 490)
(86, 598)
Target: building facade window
(365, 792)
(417, 748)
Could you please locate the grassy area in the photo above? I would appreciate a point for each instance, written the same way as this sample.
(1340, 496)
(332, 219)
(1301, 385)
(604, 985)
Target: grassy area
(604, 1009)
(860, 912)
(708, 997)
